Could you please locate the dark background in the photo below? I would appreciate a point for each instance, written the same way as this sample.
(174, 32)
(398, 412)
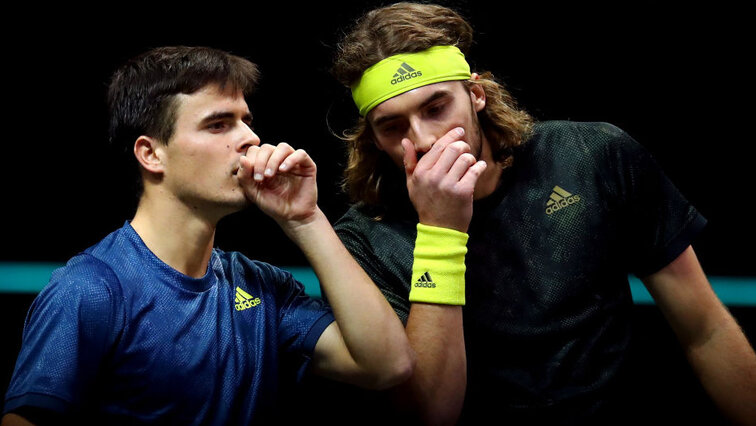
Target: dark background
(676, 78)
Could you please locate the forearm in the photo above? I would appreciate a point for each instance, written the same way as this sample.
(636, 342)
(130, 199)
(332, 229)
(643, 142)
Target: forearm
(436, 390)
(714, 344)
(12, 419)
(725, 364)
(371, 331)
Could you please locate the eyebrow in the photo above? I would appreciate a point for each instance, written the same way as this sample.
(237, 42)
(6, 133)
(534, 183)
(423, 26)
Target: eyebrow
(436, 95)
(223, 115)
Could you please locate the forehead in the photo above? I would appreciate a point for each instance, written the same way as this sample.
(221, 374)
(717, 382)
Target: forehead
(209, 100)
(416, 98)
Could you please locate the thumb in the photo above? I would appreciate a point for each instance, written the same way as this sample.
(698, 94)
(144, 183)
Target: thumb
(410, 156)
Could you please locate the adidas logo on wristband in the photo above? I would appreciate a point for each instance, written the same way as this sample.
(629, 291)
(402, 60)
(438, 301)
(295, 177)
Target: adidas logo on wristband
(425, 281)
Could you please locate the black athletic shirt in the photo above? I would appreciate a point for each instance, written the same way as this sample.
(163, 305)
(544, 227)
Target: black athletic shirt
(547, 319)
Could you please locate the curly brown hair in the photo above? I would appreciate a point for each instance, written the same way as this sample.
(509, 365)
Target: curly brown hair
(370, 177)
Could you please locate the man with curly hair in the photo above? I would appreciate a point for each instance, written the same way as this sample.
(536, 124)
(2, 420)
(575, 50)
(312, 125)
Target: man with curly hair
(504, 245)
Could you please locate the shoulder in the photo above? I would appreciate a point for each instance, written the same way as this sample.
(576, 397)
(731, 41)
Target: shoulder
(258, 278)
(83, 275)
(356, 217)
(85, 284)
(574, 142)
(359, 221)
(82, 304)
(383, 247)
(234, 263)
(572, 133)
(269, 283)
(567, 128)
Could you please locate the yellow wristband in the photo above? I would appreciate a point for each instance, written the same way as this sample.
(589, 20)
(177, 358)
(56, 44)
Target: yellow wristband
(438, 272)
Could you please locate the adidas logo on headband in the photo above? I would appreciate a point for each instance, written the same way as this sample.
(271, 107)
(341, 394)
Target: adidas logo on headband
(438, 63)
(405, 72)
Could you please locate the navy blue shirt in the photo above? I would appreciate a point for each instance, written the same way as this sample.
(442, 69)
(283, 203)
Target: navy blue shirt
(120, 336)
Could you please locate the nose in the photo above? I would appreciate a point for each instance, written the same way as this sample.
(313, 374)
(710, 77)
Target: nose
(422, 136)
(247, 138)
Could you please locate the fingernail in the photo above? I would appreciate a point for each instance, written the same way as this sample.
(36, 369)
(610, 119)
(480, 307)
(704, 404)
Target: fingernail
(258, 177)
(283, 167)
(268, 172)
(460, 131)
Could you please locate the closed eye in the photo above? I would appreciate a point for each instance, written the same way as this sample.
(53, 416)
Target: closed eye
(436, 109)
(392, 129)
(218, 126)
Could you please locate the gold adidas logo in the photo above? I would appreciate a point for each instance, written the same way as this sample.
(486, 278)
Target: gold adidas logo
(245, 300)
(560, 199)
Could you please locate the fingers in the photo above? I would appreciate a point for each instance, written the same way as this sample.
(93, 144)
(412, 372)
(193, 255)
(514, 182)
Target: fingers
(453, 135)
(452, 163)
(437, 152)
(410, 156)
(298, 162)
(450, 156)
(448, 163)
(269, 158)
(464, 173)
(472, 174)
(265, 161)
(460, 167)
(456, 170)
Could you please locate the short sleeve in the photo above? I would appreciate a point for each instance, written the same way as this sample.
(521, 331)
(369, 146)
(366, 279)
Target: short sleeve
(658, 221)
(302, 319)
(68, 330)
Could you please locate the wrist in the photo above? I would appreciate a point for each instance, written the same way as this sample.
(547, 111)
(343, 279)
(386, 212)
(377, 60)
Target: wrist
(297, 228)
(438, 270)
(447, 224)
(456, 218)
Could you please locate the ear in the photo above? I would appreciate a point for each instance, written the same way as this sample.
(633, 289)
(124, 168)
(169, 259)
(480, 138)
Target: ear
(149, 153)
(477, 94)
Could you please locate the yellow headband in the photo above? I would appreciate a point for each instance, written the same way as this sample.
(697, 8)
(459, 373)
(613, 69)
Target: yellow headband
(406, 71)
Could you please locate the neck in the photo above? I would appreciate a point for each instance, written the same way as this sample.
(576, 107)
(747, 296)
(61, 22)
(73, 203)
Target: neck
(175, 233)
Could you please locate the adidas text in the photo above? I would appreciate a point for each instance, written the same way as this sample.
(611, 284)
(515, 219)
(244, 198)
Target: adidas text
(428, 285)
(558, 205)
(247, 304)
(406, 77)
(245, 300)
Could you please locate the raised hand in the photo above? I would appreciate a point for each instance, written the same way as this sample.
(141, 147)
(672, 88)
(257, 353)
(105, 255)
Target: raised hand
(442, 182)
(281, 181)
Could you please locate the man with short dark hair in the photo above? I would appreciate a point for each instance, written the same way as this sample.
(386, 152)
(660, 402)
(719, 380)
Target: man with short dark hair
(155, 325)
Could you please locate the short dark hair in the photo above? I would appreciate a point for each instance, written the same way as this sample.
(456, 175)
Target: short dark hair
(142, 92)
